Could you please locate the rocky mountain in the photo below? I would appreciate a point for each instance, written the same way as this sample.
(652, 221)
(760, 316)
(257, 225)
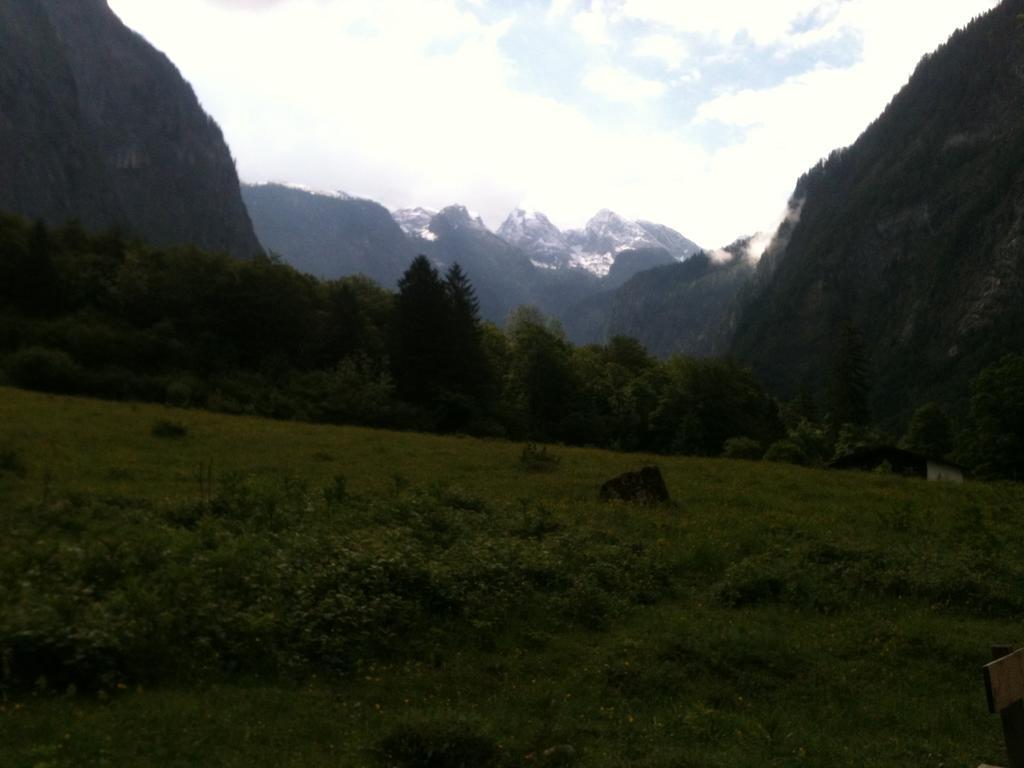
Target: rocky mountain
(329, 235)
(502, 275)
(678, 308)
(915, 235)
(593, 248)
(633, 262)
(97, 125)
(528, 261)
(415, 222)
(534, 233)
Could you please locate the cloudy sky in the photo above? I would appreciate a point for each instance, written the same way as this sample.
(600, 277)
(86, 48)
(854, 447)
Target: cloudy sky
(697, 114)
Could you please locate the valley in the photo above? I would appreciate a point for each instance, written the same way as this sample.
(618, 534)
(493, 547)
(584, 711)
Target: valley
(769, 614)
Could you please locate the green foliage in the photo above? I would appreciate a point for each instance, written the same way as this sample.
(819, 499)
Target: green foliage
(996, 423)
(930, 432)
(849, 387)
(742, 448)
(705, 402)
(272, 619)
(256, 337)
(853, 437)
(438, 745)
(541, 382)
(893, 229)
(785, 452)
(48, 370)
(173, 430)
(419, 350)
(813, 441)
(537, 458)
(12, 462)
(259, 576)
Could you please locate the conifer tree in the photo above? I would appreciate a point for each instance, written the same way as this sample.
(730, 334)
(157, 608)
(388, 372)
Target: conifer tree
(38, 293)
(468, 366)
(419, 347)
(848, 391)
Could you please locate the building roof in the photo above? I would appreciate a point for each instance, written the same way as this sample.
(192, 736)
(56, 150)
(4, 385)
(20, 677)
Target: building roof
(902, 461)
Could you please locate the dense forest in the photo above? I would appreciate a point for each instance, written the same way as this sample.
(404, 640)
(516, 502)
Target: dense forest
(104, 316)
(914, 234)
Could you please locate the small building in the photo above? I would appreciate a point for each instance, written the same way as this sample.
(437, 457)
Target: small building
(900, 462)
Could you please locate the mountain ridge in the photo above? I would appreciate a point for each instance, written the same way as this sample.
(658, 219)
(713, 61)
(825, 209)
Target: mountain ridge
(914, 235)
(98, 125)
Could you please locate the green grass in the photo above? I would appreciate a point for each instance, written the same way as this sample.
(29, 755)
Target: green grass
(240, 606)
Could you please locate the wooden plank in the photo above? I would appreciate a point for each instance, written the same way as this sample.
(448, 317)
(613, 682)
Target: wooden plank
(1004, 684)
(1004, 680)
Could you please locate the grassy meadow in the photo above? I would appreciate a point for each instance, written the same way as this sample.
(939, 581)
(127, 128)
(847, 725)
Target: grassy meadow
(180, 588)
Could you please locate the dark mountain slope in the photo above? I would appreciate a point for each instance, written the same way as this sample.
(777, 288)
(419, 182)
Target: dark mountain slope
(329, 237)
(502, 275)
(915, 234)
(96, 124)
(681, 308)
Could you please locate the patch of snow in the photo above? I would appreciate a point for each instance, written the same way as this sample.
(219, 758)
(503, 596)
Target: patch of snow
(337, 194)
(413, 220)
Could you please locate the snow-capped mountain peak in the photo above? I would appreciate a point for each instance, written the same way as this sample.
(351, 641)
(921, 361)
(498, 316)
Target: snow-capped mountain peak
(415, 222)
(461, 216)
(592, 248)
(534, 233)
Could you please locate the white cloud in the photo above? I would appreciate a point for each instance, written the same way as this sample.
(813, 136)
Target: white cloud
(559, 8)
(764, 22)
(789, 127)
(667, 49)
(621, 85)
(417, 103)
(594, 24)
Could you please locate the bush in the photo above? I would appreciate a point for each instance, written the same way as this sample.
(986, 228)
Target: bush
(265, 576)
(742, 448)
(438, 745)
(11, 462)
(785, 452)
(537, 458)
(171, 430)
(44, 369)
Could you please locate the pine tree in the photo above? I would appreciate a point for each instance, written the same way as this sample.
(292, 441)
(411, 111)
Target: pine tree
(419, 345)
(848, 391)
(39, 290)
(468, 368)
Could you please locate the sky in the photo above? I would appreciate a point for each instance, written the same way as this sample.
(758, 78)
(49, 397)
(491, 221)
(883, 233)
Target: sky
(698, 115)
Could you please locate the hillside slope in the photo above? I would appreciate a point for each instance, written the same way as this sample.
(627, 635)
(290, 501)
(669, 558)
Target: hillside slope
(438, 602)
(97, 125)
(329, 236)
(915, 235)
(684, 308)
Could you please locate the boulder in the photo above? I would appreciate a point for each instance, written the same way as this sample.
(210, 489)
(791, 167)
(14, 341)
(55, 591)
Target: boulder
(644, 487)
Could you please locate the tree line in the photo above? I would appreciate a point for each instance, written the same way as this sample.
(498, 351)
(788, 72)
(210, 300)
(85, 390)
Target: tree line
(106, 316)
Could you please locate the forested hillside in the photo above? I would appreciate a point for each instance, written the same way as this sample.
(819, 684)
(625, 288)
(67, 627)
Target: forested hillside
(103, 316)
(914, 236)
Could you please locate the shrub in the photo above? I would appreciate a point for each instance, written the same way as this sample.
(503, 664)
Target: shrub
(44, 369)
(11, 462)
(537, 458)
(337, 491)
(742, 448)
(785, 452)
(171, 430)
(438, 745)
